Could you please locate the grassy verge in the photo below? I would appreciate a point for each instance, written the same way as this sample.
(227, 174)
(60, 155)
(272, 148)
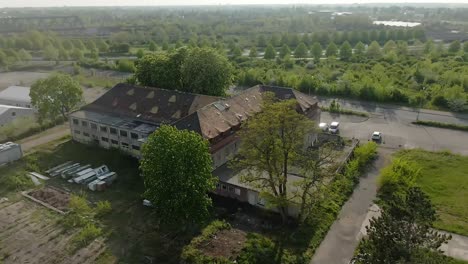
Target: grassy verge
(441, 125)
(24, 127)
(344, 111)
(444, 177)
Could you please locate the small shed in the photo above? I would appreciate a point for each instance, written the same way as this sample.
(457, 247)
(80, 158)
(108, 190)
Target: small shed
(10, 152)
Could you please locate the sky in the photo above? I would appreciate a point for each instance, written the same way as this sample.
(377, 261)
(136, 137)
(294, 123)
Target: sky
(49, 3)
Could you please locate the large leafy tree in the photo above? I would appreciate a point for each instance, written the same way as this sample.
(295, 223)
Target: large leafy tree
(346, 51)
(373, 51)
(301, 51)
(270, 52)
(55, 95)
(285, 51)
(176, 167)
(316, 51)
(332, 50)
(271, 141)
(196, 70)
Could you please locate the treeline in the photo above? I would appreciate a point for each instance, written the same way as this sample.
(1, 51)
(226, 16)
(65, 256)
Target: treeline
(433, 76)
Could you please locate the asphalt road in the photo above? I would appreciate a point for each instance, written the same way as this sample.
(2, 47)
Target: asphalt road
(344, 235)
(398, 132)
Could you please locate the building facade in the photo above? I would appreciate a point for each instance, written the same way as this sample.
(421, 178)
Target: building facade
(9, 113)
(126, 115)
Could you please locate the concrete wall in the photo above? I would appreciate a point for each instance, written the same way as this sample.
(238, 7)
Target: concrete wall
(106, 136)
(13, 113)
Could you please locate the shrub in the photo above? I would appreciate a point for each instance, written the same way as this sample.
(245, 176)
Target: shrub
(261, 250)
(103, 208)
(17, 182)
(191, 253)
(365, 153)
(79, 205)
(86, 235)
(441, 125)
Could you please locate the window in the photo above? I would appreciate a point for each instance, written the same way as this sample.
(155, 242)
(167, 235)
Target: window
(103, 129)
(85, 134)
(28, 106)
(134, 135)
(84, 123)
(135, 147)
(224, 187)
(123, 133)
(124, 145)
(237, 191)
(13, 113)
(115, 142)
(105, 139)
(75, 121)
(93, 126)
(113, 131)
(77, 132)
(231, 189)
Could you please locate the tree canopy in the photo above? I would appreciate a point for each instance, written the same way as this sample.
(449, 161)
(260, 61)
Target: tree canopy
(270, 52)
(195, 70)
(55, 95)
(176, 167)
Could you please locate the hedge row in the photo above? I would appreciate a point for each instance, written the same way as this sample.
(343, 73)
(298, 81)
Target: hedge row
(441, 125)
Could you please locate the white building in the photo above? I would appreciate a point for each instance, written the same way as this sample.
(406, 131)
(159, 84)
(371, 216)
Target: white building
(16, 96)
(10, 152)
(9, 113)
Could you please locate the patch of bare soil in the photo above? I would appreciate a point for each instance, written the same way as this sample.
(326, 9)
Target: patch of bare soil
(226, 243)
(53, 197)
(32, 234)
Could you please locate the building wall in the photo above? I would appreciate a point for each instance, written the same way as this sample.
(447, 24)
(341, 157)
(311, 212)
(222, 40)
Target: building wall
(13, 113)
(88, 132)
(225, 153)
(11, 154)
(26, 104)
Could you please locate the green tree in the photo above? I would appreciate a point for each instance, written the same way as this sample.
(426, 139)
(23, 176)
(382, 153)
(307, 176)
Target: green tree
(24, 55)
(285, 51)
(236, 52)
(270, 142)
(373, 51)
(454, 47)
(50, 53)
(346, 52)
(301, 51)
(261, 42)
(55, 95)
(332, 50)
(270, 52)
(465, 47)
(253, 52)
(101, 45)
(317, 51)
(205, 71)
(359, 50)
(176, 167)
(140, 53)
(152, 46)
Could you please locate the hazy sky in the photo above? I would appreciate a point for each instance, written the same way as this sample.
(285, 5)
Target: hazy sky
(41, 3)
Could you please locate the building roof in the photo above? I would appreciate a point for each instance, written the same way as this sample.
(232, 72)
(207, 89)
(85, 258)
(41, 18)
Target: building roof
(221, 116)
(149, 104)
(7, 146)
(5, 108)
(16, 93)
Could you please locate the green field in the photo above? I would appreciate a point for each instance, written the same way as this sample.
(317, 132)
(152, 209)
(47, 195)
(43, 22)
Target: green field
(444, 177)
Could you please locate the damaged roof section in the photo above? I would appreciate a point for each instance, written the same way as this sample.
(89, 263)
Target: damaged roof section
(149, 104)
(222, 116)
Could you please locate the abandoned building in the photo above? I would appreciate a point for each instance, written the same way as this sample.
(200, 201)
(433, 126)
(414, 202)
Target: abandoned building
(127, 114)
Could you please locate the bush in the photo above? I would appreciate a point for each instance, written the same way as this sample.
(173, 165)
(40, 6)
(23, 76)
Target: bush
(261, 250)
(365, 153)
(103, 208)
(17, 182)
(86, 235)
(191, 253)
(79, 205)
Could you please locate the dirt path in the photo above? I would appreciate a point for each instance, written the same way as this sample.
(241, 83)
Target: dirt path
(344, 235)
(49, 135)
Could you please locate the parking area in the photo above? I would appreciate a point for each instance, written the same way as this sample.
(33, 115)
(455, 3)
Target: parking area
(399, 133)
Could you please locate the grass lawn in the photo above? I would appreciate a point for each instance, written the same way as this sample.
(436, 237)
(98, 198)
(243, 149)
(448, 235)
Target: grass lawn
(444, 177)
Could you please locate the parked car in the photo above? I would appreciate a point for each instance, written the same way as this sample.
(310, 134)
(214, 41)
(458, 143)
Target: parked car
(323, 127)
(334, 127)
(377, 136)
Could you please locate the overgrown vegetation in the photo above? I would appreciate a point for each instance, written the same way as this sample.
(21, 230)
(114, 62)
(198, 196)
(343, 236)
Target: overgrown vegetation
(335, 107)
(443, 177)
(441, 125)
(23, 127)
